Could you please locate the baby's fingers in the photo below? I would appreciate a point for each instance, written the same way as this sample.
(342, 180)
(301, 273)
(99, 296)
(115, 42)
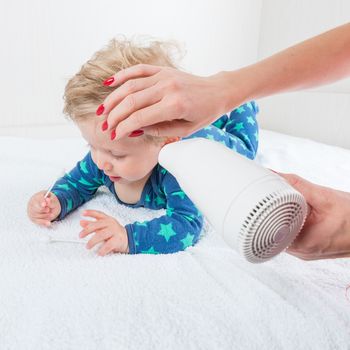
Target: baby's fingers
(42, 222)
(100, 236)
(52, 202)
(46, 216)
(48, 202)
(110, 246)
(90, 227)
(35, 210)
(44, 210)
(41, 206)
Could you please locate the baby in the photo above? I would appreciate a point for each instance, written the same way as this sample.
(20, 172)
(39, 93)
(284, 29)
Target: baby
(129, 167)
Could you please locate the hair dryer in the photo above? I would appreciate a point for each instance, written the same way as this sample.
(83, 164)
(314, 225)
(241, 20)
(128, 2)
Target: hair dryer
(255, 211)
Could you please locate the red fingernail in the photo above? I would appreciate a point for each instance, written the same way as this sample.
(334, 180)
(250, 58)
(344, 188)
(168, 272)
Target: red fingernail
(104, 125)
(108, 81)
(136, 133)
(100, 109)
(113, 135)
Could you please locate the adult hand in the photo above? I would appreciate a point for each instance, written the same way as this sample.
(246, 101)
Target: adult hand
(164, 101)
(326, 233)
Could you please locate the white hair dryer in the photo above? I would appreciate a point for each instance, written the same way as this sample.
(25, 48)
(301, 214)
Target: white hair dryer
(255, 211)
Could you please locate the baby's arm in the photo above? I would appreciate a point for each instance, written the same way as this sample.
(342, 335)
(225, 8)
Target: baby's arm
(242, 123)
(77, 186)
(238, 130)
(173, 232)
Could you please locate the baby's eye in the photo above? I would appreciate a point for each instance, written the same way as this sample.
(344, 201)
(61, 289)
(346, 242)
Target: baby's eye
(118, 157)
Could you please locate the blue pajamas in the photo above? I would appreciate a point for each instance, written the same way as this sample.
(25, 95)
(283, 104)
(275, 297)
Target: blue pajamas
(237, 130)
(180, 227)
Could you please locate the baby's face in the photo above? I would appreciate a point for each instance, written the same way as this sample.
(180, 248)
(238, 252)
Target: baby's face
(131, 158)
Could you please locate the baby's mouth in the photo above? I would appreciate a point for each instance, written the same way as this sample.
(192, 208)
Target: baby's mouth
(114, 178)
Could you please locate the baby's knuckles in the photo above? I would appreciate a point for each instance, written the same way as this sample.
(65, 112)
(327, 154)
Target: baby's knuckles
(34, 206)
(55, 206)
(37, 199)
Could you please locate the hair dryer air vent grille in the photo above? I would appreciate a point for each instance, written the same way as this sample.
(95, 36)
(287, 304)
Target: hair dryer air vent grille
(255, 210)
(272, 225)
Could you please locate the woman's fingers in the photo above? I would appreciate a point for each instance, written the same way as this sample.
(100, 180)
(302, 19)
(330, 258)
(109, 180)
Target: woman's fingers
(98, 237)
(298, 183)
(130, 87)
(137, 71)
(172, 128)
(315, 195)
(143, 117)
(132, 103)
(165, 95)
(309, 257)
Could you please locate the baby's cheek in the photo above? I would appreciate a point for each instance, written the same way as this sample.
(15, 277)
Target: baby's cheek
(134, 171)
(137, 169)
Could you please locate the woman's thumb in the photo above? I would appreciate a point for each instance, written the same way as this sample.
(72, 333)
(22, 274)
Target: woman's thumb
(309, 190)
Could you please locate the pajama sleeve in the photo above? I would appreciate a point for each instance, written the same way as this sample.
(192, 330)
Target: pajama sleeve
(242, 123)
(77, 186)
(179, 228)
(237, 130)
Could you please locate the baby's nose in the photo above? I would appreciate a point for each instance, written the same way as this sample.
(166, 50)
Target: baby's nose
(103, 164)
(107, 166)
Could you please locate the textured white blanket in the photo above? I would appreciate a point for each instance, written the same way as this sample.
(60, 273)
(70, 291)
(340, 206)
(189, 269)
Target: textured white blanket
(61, 296)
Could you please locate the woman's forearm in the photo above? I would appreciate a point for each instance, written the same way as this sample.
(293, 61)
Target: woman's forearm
(316, 61)
(180, 103)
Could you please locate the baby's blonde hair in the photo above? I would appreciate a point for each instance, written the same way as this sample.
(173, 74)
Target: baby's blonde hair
(85, 90)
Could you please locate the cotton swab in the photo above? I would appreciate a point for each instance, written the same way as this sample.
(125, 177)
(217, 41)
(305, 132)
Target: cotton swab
(62, 173)
(49, 190)
(60, 240)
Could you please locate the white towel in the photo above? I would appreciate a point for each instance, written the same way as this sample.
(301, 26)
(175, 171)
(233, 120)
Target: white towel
(62, 296)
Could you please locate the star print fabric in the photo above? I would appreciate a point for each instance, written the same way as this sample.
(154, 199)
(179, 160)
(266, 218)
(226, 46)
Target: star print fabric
(181, 226)
(237, 130)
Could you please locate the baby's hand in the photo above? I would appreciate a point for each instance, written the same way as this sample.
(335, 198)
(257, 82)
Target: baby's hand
(106, 229)
(43, 210)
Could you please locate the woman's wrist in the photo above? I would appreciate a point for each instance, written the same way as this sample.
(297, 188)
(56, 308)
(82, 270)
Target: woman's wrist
(237, 87)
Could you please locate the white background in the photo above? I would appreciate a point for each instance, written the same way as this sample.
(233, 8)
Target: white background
(322, 114)
(45, 42)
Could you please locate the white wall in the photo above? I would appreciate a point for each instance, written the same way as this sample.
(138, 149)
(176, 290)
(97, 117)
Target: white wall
(45, 42)
(322, 114)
